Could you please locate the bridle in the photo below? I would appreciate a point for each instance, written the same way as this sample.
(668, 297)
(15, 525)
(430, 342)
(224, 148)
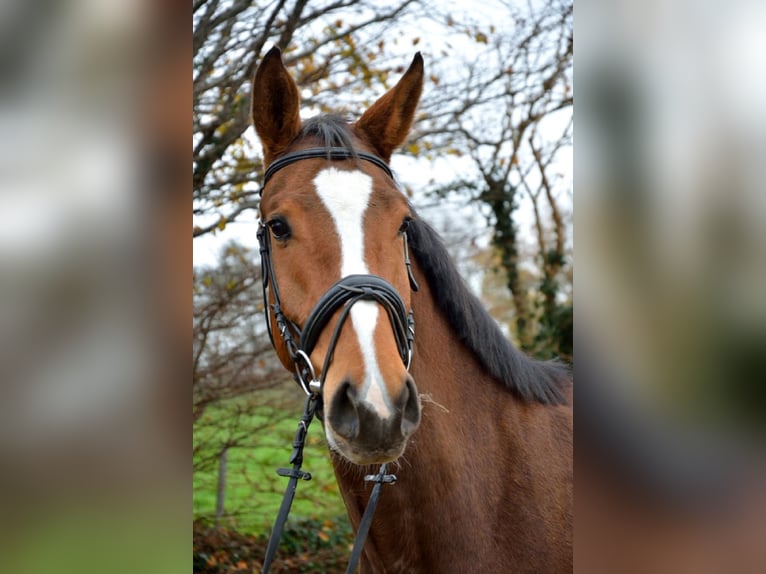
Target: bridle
(300, 341)
(349, 290)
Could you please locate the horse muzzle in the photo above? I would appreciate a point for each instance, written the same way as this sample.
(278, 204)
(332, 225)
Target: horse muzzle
(359, 432)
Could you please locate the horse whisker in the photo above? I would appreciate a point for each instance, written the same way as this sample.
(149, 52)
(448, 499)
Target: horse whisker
(427, 398)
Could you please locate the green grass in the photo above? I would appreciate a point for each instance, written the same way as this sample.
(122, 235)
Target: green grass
(263, 434)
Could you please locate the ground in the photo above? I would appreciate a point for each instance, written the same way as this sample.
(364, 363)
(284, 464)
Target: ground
(307, 547)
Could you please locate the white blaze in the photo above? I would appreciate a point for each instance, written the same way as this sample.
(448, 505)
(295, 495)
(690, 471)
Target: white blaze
(346, 195)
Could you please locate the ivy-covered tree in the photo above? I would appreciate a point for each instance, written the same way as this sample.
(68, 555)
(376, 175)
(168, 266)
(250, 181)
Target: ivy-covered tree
(512, 116)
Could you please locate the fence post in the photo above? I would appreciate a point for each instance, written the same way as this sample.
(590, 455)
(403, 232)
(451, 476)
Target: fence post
(221, 492)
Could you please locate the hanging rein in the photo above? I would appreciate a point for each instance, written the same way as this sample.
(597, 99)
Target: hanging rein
(300, 342)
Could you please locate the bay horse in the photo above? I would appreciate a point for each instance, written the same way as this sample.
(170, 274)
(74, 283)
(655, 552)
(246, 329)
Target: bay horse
(480, 435)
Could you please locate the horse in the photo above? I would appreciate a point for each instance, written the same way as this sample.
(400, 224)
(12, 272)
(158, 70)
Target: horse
(479, 434)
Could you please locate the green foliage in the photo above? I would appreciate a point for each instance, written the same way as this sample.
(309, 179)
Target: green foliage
(312, 534)
(307, 546)
(555, 337)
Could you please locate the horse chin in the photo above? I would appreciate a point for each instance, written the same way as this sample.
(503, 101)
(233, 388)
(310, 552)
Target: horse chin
(347, 451)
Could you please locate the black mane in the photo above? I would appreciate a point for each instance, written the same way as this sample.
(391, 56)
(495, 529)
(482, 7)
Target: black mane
(529, 379)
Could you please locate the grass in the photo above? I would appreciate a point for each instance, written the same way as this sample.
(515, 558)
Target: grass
(261, 430)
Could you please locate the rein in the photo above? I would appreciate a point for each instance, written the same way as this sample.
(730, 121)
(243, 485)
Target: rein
(300, 342)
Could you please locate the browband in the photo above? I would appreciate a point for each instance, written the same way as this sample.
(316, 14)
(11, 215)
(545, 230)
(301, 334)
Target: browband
(329, 153)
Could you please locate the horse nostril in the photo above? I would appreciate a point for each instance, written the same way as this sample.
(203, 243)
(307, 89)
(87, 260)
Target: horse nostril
(343, 415)
(411, 408)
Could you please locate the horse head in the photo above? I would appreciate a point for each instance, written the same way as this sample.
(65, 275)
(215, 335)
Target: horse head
(335, 224)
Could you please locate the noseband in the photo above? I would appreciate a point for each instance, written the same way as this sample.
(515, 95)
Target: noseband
(300, 342)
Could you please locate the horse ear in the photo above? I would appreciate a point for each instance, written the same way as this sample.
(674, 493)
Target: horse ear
(388, 121)
(275, 105)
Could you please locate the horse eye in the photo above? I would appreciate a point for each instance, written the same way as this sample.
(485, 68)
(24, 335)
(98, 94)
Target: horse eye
(279, 228)
(405, 224)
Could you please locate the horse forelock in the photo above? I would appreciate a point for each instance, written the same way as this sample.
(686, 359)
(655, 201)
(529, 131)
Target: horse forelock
(327, 130)
(529, 379)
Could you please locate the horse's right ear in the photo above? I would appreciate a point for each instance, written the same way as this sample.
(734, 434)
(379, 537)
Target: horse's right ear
(275, 105)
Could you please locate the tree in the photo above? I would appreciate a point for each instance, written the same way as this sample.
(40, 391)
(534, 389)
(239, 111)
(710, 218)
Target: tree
(513, 119)
(335, 48)
(232, 354)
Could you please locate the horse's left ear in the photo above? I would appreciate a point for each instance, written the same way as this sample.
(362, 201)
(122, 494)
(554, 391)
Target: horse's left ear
(388, 121)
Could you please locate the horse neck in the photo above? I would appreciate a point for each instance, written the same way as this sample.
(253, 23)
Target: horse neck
(459, 467)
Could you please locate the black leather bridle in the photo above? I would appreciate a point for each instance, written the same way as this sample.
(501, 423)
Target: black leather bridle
(349, 290)
(300, 341)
